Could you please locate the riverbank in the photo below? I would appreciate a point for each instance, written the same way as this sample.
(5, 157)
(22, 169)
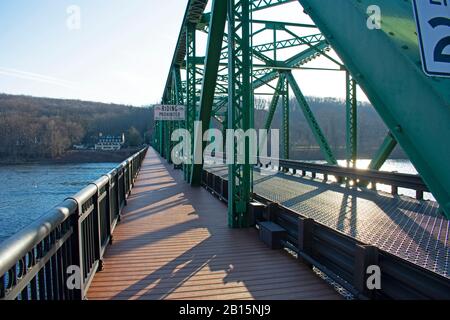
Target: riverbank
(78, 156)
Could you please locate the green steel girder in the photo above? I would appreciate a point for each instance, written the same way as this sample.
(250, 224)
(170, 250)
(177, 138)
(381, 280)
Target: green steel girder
(289, 43)
(311, 46)
(259, 55)
(297, 60)
(351, 120)
(214, 47)
(266, 75)
(273, 105)
(281, 25)
(386, 64)
(285, 124)
(191, 94)
(179, 97)
(193, 14)
(240, 107)
(313, 124)
(263, 77)
(383, 152)
(264, 4)
(274, 102)
(161, 136)
(178, 86)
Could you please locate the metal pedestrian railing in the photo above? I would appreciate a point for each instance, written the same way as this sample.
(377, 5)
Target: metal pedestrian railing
(57, 256)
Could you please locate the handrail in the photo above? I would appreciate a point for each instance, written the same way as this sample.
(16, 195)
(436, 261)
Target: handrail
(17, 246)
(363, 177)
(37, 262)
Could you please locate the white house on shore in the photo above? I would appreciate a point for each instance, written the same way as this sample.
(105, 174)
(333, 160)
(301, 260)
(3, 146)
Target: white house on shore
(110, 143)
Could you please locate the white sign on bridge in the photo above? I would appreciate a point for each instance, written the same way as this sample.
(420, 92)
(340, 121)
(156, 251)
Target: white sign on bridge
(170, 112)
(433, 26)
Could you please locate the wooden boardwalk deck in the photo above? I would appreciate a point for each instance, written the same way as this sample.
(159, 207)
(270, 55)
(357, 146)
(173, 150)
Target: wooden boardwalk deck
(174, 243)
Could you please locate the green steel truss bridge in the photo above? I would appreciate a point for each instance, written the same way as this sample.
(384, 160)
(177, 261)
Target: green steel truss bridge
(154, 236)
(385, 63)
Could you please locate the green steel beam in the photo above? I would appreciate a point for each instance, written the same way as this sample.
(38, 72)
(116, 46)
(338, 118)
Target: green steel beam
(273, 106)
(214, 47)
(313, 124)
(383, 152)
(178, 98)
(264, 4)
(263, 77)
(193, 14)
(240, 107)
(280, 25)
(285, 127)
(274, 103)
(311, 46)
(191, 96)
(289, 43)
(386, 64)
(352, 121)
(297, 60)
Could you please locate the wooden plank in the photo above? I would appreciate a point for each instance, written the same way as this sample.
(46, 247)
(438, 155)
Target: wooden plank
(173, 243)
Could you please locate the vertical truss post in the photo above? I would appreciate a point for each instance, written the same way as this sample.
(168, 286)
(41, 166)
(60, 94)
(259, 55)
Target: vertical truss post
(191, 98)
(178, 97)
(240, 104)
(285, 128)
(161, 138)
(312, 122)
(170, 124)
(352, 123)
(224, 131)
(157, 137)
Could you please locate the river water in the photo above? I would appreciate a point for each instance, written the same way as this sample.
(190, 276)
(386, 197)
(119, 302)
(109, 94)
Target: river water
(29, 191)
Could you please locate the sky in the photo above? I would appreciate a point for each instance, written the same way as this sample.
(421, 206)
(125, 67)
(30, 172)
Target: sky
(117, 52)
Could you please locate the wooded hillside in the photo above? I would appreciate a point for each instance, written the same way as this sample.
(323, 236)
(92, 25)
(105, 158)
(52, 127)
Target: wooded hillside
(41, 128)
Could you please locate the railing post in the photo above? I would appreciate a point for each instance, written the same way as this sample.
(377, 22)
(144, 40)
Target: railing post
(77, 252)
(394, 190)
(109, 213)
(365, 256)
(305, 237)
(419, 194)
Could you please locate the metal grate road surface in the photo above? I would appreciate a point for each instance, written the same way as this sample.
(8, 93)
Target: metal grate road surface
(411, 229)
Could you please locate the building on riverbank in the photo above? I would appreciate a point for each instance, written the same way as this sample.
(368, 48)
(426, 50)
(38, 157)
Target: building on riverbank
(110, 143)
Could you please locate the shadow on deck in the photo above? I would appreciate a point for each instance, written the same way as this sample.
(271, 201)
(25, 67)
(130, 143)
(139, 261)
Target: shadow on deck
(174, 243)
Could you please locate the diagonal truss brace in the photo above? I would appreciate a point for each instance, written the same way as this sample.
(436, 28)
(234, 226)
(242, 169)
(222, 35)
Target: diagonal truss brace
(312, 122)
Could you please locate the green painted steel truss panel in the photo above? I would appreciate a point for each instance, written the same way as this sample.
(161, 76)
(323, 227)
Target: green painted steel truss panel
(386, 63)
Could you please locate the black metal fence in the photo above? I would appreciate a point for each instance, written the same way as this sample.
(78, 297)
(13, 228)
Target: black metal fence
(56, 257)
(341, 257)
